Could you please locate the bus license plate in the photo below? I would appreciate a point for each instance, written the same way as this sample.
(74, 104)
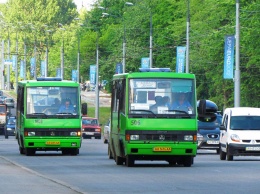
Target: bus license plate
(52, 143)
(162, 149)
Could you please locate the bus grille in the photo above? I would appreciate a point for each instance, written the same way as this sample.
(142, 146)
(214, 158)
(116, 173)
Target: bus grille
(53, 132)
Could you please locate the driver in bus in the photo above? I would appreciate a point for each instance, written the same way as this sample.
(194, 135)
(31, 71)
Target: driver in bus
(67, 107)
(182, 103)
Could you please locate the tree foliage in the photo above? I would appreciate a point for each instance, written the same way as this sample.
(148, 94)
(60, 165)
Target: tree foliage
(210, 22)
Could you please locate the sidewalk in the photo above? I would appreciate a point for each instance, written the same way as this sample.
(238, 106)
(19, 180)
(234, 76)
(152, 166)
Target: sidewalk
(19, 179)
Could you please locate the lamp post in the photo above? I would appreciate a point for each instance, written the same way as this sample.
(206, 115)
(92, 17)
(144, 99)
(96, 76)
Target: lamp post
(124, 35)
(188, 37)
(97, 82)
(237, 71)
(47, 53)
(78, 55)
(151, 36)
(62, 54)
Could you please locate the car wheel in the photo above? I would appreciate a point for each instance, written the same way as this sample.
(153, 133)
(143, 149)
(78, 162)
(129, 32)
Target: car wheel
(229, 156)
(218, 150)
(105, 141)
(222, 155)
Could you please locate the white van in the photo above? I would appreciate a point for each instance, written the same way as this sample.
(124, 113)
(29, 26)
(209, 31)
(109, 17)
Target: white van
(240, 132)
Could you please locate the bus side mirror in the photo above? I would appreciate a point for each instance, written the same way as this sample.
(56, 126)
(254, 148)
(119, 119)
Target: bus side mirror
(207, 110)
(84, 108)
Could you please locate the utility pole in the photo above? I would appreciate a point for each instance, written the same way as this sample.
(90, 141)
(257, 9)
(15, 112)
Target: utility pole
(97, 84)
(237, 71)
(188, 37)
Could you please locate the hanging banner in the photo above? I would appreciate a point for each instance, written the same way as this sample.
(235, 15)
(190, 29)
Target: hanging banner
(74, 75)
(43, 66)
(14, 60)
(180, 62)
(229, 57)
(145, 62)
(22, 69)
(58, 72)
(119, 68)
(33, 66)
(92, 74)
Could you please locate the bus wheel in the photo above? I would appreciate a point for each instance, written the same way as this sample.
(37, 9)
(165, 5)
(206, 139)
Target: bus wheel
(65, 151)
(129, 161)
(110, 155)
(187, 161)
(119, 160)
(29, 151)
(74, 151)
(21, 150)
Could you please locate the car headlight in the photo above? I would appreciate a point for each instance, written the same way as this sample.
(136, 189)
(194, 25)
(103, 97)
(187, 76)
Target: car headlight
(8, 129)
(199, 137)
(97, 130)
(235, 137)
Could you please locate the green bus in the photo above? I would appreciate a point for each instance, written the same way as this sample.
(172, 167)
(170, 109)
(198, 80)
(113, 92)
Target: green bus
(142, 129)
(41, 125)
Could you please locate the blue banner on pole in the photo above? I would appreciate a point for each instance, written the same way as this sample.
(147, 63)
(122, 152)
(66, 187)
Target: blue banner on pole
(33, 62)
(180, 62)
(58, 72)
(229, 57)
(145, 62)
(43, 66)
(119, 68)
(22, 69)
(14, 60)
(92, 73)
(74, 75)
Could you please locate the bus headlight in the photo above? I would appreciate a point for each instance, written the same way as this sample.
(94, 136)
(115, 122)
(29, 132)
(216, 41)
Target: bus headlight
(188, 137)
(31, 133)
(75, 133)
(134, 137)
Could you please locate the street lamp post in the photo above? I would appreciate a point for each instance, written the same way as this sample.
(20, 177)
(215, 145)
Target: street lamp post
(151, 36)
(188, 37)
(62, 54)
(237, 71)
(78, 55)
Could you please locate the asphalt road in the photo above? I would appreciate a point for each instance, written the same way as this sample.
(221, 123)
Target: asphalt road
(92, 172)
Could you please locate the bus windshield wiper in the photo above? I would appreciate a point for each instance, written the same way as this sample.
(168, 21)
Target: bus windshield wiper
(37, 114)
(64, 113)
(143, 110)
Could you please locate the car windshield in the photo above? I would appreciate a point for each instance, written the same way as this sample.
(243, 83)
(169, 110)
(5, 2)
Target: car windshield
(11, 121)
(214, 124)
(245, 123)
(89, 121)
(159, 96)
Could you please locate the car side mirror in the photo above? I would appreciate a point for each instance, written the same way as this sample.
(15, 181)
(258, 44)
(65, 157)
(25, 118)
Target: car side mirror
(222, 127)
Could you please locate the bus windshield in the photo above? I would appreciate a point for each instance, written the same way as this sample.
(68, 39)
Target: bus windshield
(161, 96)
(52, 101)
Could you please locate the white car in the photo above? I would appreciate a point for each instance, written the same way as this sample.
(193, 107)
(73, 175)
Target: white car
(240, 133)
(106, 131)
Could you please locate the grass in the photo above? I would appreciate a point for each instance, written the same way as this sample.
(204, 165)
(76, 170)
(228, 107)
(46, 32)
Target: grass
(104, 114)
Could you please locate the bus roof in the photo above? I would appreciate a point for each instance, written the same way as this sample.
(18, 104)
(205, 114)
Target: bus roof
(155, 75)
(49, 83)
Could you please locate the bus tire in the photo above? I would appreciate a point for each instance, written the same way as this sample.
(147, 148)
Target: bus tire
(187, 161)
(74, 151)
(29, 151)
(21, 150)
(130, 162)
(110, 154)
(65, 151)
(119, 160)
